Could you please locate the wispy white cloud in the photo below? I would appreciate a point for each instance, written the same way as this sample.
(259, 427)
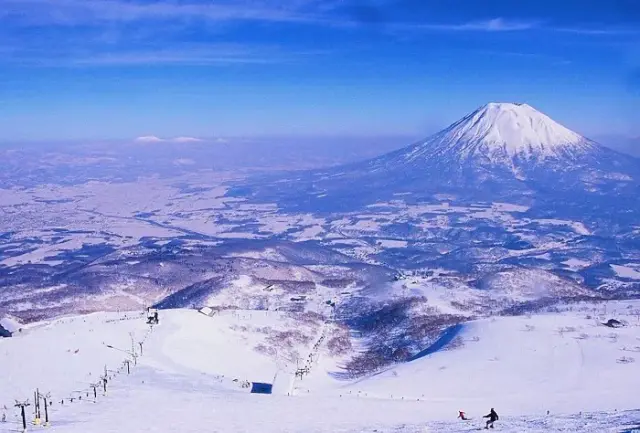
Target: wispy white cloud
(187, 140)
(93, 54)
(492, 25)
(74, 12)
(162, 57)
(315, 12)
(602, 31)
(184, 161)
(95, 33)
(150, 139)
(103, 33)
(508, 25)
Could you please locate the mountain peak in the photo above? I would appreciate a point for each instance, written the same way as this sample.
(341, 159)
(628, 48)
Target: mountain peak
(501, 134)
(501, 131)
(504, 105)
(512, 129)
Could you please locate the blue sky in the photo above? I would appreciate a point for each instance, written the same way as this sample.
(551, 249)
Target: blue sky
(95, 69)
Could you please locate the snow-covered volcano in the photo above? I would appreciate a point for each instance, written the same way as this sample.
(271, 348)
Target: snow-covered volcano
(498, 136)
(500, 150)
(516, 128)
(502, 131)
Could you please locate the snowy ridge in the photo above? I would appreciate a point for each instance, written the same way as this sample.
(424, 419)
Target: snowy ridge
(504, 130)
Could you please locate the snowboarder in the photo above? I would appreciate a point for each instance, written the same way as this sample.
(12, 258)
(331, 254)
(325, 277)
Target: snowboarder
(493, 417)
(462, 416)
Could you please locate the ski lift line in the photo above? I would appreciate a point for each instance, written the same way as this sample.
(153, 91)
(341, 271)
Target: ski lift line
(38, 395)
(77, 395)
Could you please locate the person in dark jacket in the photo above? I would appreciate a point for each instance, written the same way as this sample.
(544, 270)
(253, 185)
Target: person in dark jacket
(493, 417)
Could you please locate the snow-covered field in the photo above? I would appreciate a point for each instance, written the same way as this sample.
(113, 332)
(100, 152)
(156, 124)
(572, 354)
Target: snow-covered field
(628, 271)
(190, 375)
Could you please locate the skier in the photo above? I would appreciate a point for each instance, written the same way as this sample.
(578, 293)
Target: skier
(462, 416)
(493, 417)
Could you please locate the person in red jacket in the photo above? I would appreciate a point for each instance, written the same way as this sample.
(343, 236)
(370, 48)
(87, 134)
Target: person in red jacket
(462, 416)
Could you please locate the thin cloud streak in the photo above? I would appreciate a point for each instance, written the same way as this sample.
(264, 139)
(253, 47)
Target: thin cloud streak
(86, 12)
(493, 25)
(502, 25)
(309, 12)
(162, 58)
(152, 139)
(92, 55)
(612, 31)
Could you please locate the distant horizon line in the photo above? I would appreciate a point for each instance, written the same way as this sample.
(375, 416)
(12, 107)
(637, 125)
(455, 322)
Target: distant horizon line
(226, 139)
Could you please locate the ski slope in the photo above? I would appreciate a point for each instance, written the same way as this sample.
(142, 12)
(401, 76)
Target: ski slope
(558, 362)
(192, 369)
(65, 355)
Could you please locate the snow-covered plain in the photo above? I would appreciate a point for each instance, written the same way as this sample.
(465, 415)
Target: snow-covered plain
(192, 369)
(629, 271)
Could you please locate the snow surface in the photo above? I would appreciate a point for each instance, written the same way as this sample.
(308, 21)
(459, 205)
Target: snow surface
(568, 362)
(628, 271)
(190, 376)
(64, 355)
(507, 129)
(578, 227)
(576, 264)
(10, 324)
(391, 243)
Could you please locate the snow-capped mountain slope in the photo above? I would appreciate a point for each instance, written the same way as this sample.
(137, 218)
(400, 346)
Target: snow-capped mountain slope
(500, 131)
(499, 151)
(503, 137)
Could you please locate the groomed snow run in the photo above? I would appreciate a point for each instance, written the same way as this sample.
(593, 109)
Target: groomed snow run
(189, 377)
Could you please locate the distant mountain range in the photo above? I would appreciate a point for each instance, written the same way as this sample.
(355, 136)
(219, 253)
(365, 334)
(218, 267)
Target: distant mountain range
(504, 202)
(501, 151)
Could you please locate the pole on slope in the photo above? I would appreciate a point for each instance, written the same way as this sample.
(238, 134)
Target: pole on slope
(36, 407)
(133, 344)
(128, 364)
(39, 411)
(140, 343)
(46, 408)
(22, 405)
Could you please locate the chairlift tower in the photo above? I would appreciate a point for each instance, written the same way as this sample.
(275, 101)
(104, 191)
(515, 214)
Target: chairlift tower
(22, 405)
(104, 383)
(46, 398)
(36, 407)
(95, 389)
